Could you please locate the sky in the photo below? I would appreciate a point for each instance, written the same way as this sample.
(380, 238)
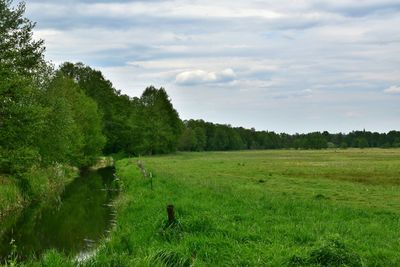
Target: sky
(285, 66)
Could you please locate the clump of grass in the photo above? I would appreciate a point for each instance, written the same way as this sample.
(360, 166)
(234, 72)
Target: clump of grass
(170, 231)
(10, 198)
(332, 252)
(199, 225)
(12, 259)
(320, 197)
(170, 258)
(55, 258)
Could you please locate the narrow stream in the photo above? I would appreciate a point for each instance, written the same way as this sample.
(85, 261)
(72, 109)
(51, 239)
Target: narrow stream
(75, 225)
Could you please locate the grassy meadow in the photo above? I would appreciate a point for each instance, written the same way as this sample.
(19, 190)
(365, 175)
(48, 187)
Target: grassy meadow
(257, 208)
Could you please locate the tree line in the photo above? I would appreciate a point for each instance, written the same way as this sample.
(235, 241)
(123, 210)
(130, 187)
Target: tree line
(199, 135)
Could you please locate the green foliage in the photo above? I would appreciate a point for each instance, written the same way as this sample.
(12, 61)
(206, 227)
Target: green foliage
(201, 138)
(64, 140)
(149, 125)
(64, 126)
(21, 115)
(116, 109)
(18, 160)
(19, 53)
(188, 140)
(89, 123)
(161, 126)
(40, 183)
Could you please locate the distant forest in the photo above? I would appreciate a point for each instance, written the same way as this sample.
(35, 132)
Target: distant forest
(72, 114)
(199, 135)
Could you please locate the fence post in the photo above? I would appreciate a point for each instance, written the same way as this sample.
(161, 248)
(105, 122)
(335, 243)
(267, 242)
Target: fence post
(171, 214)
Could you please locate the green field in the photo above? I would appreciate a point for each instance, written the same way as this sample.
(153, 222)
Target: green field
(258, 208)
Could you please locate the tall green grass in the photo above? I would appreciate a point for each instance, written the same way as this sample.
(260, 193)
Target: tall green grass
(10, 197)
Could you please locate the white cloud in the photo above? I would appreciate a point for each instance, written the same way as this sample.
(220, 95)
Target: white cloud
(195, 77)
(392, 90)
(186, 9)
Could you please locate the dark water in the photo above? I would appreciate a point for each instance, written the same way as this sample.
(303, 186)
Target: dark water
(74, 225)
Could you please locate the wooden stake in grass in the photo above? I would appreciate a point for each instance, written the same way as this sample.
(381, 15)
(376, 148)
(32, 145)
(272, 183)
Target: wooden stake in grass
(171, 214)
(142, 169)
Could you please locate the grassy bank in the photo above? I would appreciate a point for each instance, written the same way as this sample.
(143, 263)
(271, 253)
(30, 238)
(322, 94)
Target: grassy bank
(10, 197)
(11, 201)
(39, 184)
(36, 185)
(256, 208)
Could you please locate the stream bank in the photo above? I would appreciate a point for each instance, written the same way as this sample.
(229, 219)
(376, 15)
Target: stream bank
(75, 224)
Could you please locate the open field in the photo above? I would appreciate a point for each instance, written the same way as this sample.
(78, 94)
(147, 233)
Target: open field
(258, 208)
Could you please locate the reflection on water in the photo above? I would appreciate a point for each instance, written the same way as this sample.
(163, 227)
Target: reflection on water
(75, 225)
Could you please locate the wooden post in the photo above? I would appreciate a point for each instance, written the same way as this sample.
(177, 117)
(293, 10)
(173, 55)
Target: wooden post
(151, 180)
(142, 168)
(171, 214)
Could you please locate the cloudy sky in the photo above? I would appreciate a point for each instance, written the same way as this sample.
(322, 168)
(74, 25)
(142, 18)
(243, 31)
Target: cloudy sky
(287, 66)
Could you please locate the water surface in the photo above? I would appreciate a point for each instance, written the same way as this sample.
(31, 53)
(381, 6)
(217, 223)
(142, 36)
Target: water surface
(74, 225)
